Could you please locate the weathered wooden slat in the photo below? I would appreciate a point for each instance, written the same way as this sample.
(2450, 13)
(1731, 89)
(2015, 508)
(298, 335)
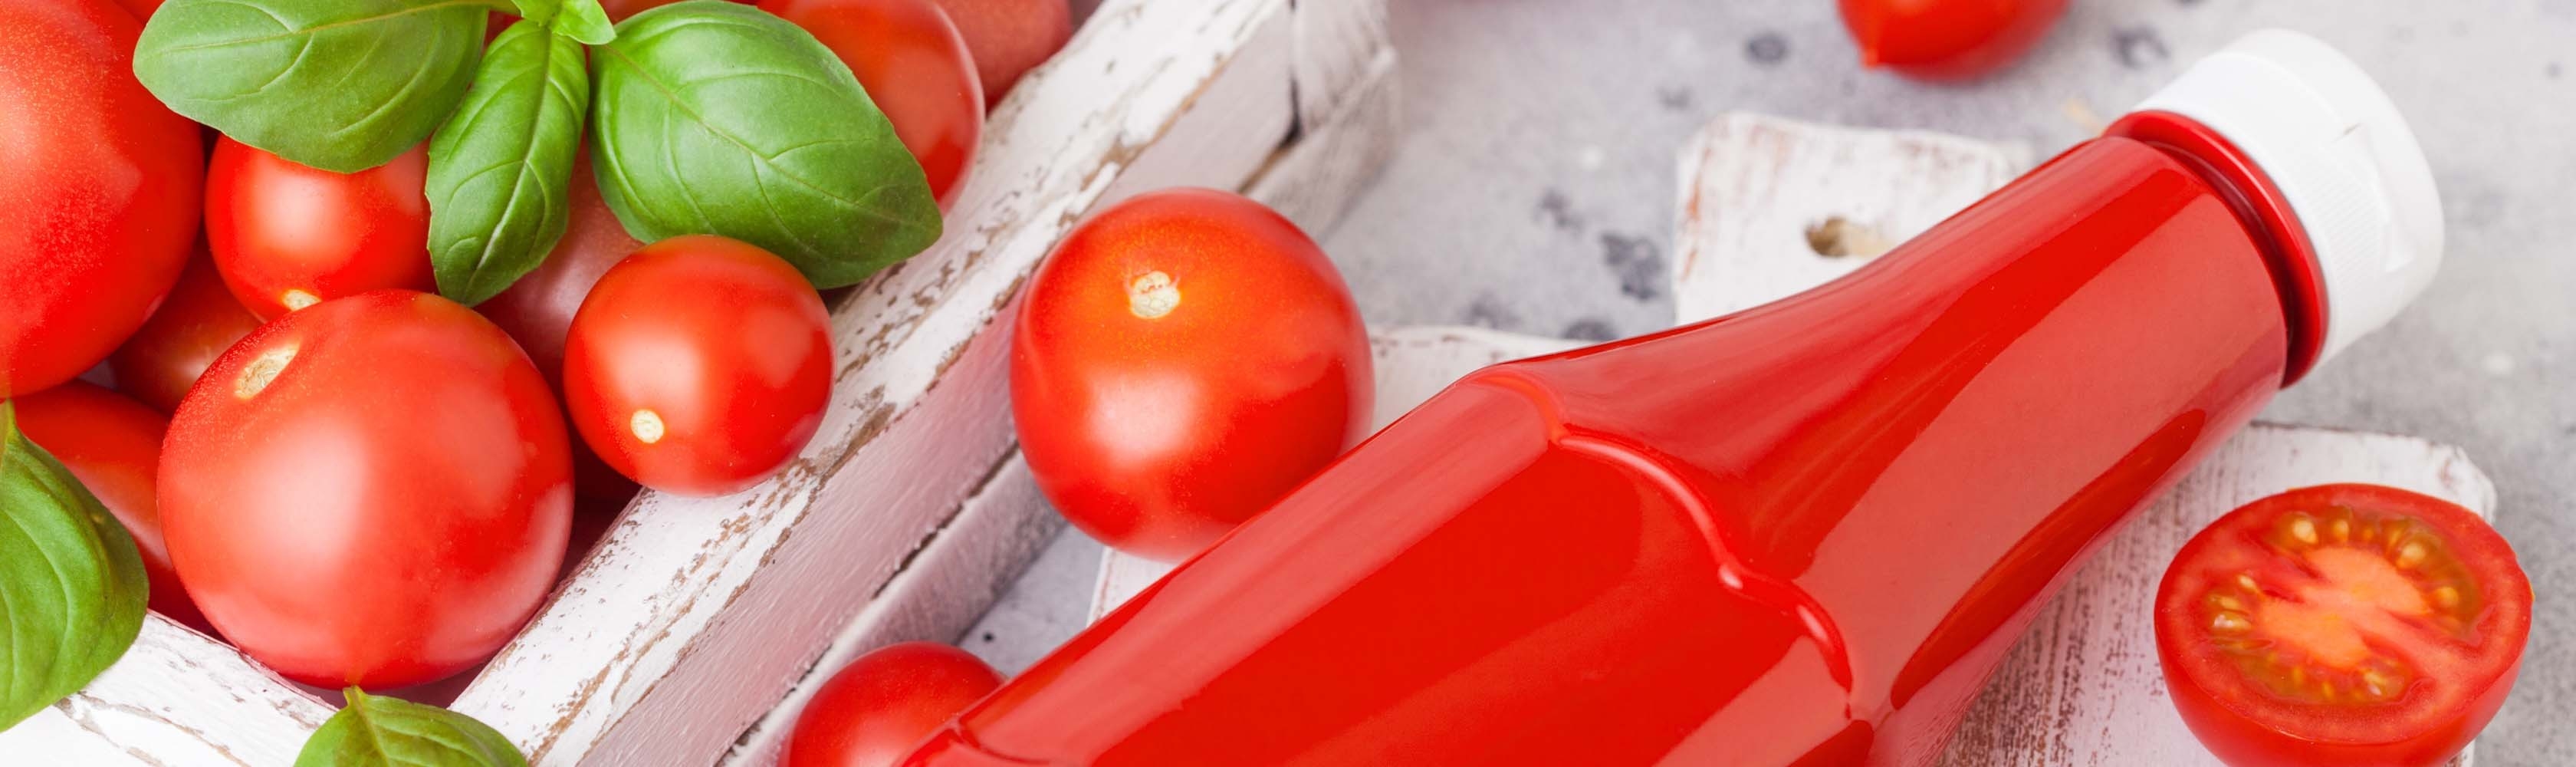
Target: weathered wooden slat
(176, 698)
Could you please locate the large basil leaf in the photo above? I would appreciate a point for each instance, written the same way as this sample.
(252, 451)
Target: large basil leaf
(341, 85)
(71, 581)
(390, 732)
(582, 20)
(499, 171)
(718, 118)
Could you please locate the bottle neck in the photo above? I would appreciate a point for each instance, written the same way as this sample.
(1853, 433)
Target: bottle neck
(2264, 212)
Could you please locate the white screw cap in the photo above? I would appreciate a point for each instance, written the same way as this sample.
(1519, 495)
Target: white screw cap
(2337, 149)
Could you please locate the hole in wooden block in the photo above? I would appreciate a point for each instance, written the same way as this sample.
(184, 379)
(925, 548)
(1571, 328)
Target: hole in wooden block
(1838, 237)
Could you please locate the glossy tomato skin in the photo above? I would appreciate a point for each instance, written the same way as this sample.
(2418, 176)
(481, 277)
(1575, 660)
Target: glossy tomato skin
(699, 365)
(112, 444)
(876, 709)
(285, 235)
(1947, 40)
(373, 491)
(99, 190)
(194, 326)
(1010, 37)
(916, 68)
(2432, 720)
(1157, 434)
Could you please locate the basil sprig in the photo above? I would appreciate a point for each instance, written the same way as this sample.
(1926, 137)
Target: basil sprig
(499, 170)
(814, 174)
(710, 117)
(340, 85)
(390, 732)
(71, 582)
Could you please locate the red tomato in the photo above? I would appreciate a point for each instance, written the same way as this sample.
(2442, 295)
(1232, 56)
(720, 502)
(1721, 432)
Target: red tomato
(99, 189)
(1010, 37)
(194, 325)
(287, 236)
(915, 67)
(1182, 360)
(1947, 39)
(113, 446)
(2342, 624)
(876, 709)
(700, 365)
(372, 491)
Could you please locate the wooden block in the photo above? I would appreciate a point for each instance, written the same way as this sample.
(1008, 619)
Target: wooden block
(1754, 187)
(675, 640)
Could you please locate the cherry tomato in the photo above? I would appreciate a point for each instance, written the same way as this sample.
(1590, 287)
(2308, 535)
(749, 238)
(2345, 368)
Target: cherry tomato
(916, 68)
(2342, 624)
(99, 190)
(699, 365)
(112, 444)
(287, 236)
(876, 709)
(1010, 37)
(1182, 360)
(194, 325)
(374, 490)
(1947, 39)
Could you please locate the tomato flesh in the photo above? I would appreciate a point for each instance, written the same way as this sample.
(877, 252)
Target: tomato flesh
(195, 325)
(2342, 624)
(1945, 40)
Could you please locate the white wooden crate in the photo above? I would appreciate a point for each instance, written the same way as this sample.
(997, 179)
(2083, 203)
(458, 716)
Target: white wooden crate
(2083, 687)
(688, 634)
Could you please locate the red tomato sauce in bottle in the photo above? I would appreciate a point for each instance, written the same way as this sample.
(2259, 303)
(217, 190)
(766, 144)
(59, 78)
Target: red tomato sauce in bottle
(1802, 534)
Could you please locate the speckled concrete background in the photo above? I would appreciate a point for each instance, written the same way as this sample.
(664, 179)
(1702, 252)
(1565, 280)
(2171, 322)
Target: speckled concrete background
(1533, 193)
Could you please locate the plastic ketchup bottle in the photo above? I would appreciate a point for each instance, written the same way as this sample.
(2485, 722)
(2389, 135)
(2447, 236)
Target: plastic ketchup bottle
(1803, 534)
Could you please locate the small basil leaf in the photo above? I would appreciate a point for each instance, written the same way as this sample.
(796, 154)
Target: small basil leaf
(582, 20)
(718, 118)
(340, 85)
(71, 581)
(500, 170)
(384, 732)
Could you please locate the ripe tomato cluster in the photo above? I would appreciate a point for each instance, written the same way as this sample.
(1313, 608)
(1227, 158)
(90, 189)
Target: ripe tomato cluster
(352, 479)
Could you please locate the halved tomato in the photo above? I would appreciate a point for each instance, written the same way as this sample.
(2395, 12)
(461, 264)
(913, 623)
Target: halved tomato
(2342, 625)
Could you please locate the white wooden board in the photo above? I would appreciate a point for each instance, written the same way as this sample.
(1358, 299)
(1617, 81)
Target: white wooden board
(692, 619)
(2083, 686)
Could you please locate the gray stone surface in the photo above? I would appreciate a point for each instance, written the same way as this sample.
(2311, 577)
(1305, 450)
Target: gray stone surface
(1533, 193)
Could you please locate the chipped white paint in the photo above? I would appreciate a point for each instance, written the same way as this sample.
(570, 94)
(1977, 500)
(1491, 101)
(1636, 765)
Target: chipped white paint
(1752, 186)
(909, 512)
(2083, 687)
(176, 698)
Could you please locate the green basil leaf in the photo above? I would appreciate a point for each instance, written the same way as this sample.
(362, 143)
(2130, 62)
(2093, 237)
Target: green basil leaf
(384, 732)
(71, 581)
(582, 20)
(718, 118)
(340, 85)
(499, 172)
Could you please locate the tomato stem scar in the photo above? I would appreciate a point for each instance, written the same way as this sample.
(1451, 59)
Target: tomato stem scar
(1153, 295)
(298, 299)
(647, 426)
(256, 375)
